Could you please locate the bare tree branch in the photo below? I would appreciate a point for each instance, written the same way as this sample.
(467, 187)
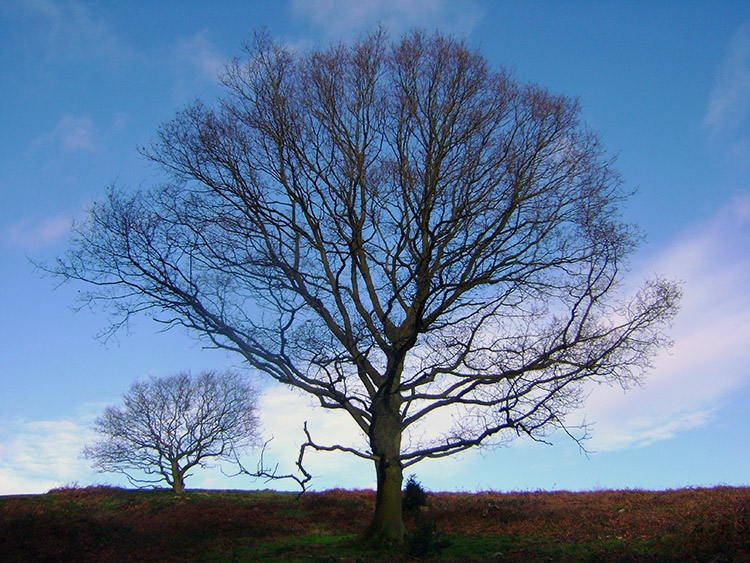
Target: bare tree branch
(272, 474)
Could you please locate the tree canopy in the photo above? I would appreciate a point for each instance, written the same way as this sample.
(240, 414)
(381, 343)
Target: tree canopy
(395, 228)
(169, 425)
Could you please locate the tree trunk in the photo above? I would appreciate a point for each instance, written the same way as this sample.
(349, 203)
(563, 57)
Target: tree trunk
(387, 524)
(178, 483)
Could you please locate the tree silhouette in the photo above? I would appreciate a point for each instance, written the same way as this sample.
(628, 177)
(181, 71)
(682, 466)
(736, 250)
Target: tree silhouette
(169, 425)
(396, 229)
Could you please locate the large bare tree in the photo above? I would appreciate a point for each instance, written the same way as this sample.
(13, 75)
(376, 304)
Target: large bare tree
(395, 228)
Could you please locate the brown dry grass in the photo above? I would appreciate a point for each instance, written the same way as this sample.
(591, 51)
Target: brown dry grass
(111, 524)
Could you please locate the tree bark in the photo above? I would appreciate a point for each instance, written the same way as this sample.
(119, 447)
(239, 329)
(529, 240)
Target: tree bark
(178, 483)
(387, 524)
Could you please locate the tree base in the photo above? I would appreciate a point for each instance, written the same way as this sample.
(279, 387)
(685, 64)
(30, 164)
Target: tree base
(370, 539)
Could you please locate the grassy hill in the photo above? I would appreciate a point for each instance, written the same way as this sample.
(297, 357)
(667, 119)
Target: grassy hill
(111, 524)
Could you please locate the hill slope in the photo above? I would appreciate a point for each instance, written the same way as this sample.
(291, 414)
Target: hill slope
(111, 524)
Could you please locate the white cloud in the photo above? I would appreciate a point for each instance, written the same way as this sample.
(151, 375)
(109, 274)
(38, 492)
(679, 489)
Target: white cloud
(202, 55)
(283, 413)
(196, 64)
(36, 456)
(711, 355)
(728, 112)
(32, 234)
(340, 17)
(71, 134)
(729, 103)
(76, 133)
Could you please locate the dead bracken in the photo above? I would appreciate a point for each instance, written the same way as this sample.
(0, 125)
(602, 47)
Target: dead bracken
(107, 523)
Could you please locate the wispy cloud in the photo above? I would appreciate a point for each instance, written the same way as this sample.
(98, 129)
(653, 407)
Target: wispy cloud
(711, 355)
(339, 18)
(71, 134)
(73, 30)
(75, 133)
(729, 103)
(32, 234)
(201, 54)
(728, 112)
(195, 63)
(36, 456)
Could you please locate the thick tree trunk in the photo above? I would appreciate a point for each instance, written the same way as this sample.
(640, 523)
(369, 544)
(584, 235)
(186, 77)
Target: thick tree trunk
(178, 486)
(387, 524)
(178, 483)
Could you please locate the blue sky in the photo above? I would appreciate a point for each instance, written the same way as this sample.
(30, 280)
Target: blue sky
(665, 84)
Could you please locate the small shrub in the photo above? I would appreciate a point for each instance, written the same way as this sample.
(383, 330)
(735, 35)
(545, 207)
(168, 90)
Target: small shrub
(425, 539)
(414, 495)
(77, 492)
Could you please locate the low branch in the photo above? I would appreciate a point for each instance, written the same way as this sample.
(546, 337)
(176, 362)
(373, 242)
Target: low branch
(334, 448)
(272, 474)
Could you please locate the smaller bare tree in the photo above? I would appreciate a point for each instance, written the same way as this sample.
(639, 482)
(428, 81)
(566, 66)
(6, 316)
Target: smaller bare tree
(170, 425)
